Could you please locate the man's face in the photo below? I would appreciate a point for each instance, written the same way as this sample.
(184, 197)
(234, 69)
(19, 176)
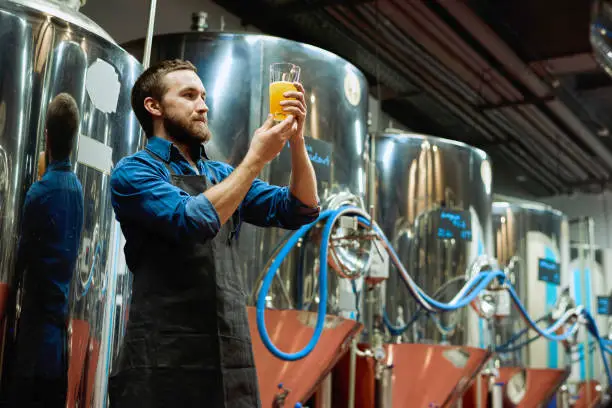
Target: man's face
(184, 107)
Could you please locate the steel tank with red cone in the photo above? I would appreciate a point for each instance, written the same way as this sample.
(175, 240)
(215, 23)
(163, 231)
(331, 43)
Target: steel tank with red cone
(234, 67)
(48, 48)
(532, 245)
(432, 200)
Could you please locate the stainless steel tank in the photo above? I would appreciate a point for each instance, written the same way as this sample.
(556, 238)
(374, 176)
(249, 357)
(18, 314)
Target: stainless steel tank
(234, 69)
(432, 199)
(532, 243)
(48, 47)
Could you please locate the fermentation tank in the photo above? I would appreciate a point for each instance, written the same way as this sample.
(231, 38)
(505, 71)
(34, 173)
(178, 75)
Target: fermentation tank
(234, 69)
(532, 244)
(588, 280)
(47, 48)
(433, 201)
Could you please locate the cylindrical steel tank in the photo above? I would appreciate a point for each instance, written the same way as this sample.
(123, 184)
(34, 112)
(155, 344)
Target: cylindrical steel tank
(532, 243)
(48, 47)
(589, 264)
(432, 199)
(588, 288)
(234, 69)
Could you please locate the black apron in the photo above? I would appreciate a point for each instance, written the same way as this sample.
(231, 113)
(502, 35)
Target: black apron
(187, 342)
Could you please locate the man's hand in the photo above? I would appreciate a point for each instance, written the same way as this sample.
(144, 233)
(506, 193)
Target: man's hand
(269, 139)
(298, 108)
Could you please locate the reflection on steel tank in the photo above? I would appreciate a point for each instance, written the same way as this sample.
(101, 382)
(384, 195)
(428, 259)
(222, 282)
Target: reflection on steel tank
(46, 48)
(433, 201)
(600, 37)
(532, 246)
(234, 69)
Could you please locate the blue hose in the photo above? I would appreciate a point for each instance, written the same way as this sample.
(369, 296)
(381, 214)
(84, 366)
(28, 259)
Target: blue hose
(397, 331)
(474, 286)
(267, 282)
(592, 327)
(478, 282)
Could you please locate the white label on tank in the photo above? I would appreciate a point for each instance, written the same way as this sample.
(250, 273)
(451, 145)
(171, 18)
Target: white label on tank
(95, 154)
(380, 261)
(352, 88)
(103, 86)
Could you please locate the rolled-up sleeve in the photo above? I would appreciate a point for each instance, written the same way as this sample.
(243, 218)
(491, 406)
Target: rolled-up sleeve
(142, 193)
(272, 206)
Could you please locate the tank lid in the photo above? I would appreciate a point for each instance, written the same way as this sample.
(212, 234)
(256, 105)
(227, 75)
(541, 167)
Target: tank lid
(527, 206)
(67, 10)
(402, 136)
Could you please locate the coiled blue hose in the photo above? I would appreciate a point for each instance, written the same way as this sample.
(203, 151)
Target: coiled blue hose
(267, 282)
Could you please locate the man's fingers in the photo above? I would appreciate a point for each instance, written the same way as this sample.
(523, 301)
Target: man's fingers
(268, 123)
(299, 87)
(296, 95)
(298, 112)
(285, 124)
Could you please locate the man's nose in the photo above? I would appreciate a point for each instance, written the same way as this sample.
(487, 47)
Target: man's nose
(201, 106)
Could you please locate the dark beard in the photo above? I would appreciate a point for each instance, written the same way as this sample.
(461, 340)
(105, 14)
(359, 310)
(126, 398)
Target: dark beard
(183, 133)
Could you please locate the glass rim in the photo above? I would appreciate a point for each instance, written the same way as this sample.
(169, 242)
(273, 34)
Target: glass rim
(288, 64)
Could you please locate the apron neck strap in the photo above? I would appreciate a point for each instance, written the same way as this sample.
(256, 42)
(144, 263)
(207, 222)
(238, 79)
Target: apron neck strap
(165, 163)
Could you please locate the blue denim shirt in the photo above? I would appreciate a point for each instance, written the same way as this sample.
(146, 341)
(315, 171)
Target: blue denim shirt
(49, 244)
(146, 202)
(50, 238)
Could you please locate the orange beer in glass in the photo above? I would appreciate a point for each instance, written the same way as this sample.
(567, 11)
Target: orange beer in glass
(282, 77)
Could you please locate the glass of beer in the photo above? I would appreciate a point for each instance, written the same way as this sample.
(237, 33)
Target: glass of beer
(282, 77)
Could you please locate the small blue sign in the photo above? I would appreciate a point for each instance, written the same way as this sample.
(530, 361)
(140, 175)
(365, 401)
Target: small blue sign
(549, 271)
(603, 305)
(454, 224)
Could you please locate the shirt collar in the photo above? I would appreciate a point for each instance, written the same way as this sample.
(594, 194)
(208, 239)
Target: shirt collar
(164, 149)
(59, 165)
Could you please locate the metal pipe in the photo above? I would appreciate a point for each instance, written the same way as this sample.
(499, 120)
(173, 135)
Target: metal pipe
(352, 368)
(425, 18)
(146, 59)
(591, 254)
(408, 20)
(491, 41)
(324, 395)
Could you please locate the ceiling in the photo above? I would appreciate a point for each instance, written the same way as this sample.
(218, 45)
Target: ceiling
(516, 78)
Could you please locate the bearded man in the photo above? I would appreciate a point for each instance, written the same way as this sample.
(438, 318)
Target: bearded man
(187, 342)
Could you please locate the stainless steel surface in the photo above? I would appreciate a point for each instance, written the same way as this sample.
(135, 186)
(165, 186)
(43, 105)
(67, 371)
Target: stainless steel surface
(601, 33)
(150, 29)
(323, 397)
(45, 49)
(418, 178)
(587, 270)
(525, 234)
(62, 13)
(235, 71)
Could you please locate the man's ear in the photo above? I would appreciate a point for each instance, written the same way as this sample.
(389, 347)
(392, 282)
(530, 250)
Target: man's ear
(153, 107)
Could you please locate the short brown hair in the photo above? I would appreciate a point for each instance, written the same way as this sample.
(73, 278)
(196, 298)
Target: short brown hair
(62, 123)
(151, 84)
